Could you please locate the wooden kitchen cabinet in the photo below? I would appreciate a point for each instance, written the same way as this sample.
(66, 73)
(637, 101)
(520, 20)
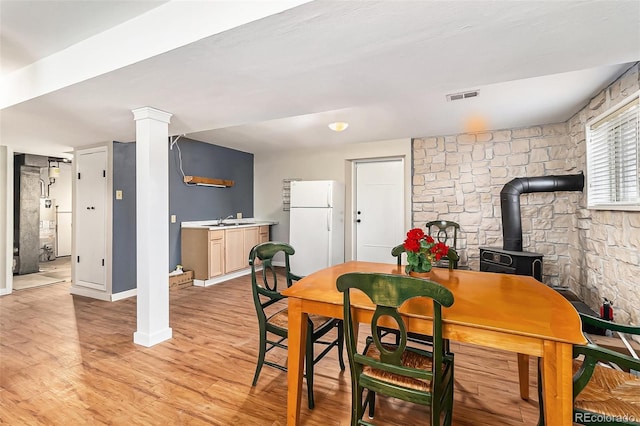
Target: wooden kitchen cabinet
(234, 258)
(216, 253)
(264, 234)
(238, 242)
(251, 238)
(203, 252)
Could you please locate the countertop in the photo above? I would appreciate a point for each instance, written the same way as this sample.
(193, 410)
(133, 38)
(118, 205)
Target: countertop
(214, 224)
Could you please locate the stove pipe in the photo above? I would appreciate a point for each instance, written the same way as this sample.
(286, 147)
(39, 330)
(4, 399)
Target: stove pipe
(510, 202)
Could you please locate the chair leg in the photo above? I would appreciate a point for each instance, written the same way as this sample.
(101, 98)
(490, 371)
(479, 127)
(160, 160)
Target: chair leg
(371, 402)
(540, 400)
(357, 408)
(261, 354)
(448, 418)
(340, 325)
(309, 367)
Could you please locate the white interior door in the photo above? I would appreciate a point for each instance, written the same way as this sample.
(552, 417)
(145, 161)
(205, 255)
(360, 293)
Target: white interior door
(379, 209)
(90, 214)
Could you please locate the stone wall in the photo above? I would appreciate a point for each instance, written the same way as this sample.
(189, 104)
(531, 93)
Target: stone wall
(605, 252)
(595, 253)
(460, 177)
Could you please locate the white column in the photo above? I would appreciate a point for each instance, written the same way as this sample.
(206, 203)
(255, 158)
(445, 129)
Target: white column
(152, 225)
(6, 220)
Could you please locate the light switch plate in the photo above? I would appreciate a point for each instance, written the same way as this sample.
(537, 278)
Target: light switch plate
(118, 194)
(173, 218)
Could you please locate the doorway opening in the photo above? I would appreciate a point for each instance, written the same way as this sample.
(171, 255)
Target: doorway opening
(52, 272)
(42, 210)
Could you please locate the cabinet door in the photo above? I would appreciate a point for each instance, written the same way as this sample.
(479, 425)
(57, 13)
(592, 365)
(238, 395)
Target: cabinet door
(234, 256)
(216, 254)
(91, 193)
(264, 234)
(251, 238)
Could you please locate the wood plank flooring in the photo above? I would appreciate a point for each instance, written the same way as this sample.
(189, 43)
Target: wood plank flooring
(71, 360)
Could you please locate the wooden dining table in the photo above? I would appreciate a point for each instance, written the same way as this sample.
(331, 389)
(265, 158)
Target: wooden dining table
(510, 312)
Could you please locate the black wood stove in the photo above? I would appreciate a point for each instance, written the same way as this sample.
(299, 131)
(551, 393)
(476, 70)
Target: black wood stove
(494, 259)
(511, 259)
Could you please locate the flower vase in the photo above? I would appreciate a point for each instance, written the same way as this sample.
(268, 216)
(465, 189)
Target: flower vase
(423, 275)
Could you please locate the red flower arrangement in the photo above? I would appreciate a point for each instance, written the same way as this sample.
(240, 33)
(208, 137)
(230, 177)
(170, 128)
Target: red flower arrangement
(422, 251)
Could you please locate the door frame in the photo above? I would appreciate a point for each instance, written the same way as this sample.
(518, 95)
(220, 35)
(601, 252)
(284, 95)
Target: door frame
(350, 213)
(6, 220)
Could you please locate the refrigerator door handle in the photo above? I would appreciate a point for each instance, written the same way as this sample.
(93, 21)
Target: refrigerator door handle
(329, 220)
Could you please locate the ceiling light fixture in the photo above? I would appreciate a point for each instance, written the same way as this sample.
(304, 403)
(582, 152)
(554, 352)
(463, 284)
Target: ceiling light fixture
(338, 126)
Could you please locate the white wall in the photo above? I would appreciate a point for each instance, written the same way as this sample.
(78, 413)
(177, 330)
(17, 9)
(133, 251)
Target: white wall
(61, 192)
(330, 163)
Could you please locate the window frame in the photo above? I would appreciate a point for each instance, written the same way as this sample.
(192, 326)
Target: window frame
(600, 119)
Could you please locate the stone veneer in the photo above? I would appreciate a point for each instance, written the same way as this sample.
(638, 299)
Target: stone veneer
(605, 250)
(595, 253)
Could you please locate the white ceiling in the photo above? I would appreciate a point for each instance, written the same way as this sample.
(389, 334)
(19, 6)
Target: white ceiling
(259, 76)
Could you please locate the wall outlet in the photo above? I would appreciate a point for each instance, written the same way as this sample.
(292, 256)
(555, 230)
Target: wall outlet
(238, 215)
(173, 218)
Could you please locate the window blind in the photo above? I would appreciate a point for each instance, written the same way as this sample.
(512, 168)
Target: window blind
(613, 151)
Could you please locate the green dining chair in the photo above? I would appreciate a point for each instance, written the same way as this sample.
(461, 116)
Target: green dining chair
(605, 389)
(414, 337)
(400, 371)
(445, 231)
(273, 317)
(397, 253)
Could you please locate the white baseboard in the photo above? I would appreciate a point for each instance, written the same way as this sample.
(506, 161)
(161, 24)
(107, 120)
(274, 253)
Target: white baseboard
(88, 292)
(124, 294)
(222, 278)
(102, 295)
(4, 291)
(280, 263)
(148, 340)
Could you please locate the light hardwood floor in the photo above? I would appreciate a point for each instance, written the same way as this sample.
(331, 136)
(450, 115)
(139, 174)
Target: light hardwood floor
(71, 360)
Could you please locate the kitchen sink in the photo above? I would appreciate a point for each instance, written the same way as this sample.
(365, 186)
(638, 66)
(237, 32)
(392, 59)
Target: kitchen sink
(222, 225)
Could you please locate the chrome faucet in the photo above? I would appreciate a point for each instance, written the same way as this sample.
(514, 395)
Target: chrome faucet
(220, 220)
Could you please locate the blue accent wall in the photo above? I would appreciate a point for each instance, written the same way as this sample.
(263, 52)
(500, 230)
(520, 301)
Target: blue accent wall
(191, 203)
(188, 203)
(124, 218)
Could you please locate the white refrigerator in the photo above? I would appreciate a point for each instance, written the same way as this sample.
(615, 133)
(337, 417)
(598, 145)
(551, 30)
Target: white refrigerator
(316, 225)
